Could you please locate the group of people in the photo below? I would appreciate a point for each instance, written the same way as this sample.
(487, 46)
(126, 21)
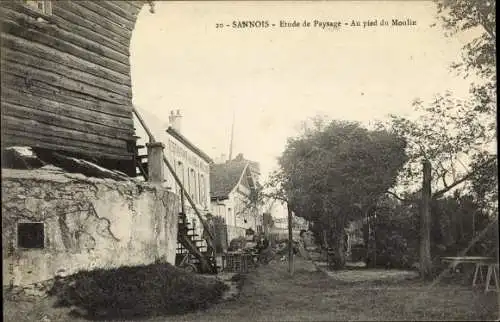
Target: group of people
(266, 252)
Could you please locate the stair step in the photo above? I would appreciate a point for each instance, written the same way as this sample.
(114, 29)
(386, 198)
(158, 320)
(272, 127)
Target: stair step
(142, 156)
(140, 146)
(185, 228)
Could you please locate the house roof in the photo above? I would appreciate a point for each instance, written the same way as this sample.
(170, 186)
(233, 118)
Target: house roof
(224, 177)
(181, 138)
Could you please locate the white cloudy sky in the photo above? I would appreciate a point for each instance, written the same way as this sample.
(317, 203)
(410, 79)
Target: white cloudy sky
(274, 78)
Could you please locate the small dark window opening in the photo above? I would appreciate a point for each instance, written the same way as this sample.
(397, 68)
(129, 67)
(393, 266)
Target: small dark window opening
(30, 235)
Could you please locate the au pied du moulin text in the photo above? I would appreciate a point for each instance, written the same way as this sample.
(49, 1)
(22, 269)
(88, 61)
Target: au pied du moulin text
(317, 23)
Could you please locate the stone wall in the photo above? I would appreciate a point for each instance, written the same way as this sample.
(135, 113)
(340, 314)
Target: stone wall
(88, 223)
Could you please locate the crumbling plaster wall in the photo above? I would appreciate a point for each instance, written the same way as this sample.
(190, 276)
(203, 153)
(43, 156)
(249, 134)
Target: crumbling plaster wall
(88, 222)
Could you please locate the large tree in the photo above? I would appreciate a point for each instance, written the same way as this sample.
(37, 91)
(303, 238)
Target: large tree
(458, 135)
(332, 167)
(479, 61)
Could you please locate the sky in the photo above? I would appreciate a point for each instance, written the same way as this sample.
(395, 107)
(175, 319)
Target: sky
(273, 78)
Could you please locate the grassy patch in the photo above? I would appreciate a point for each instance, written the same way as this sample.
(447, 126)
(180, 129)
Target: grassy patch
(136, 292)
(271, 294)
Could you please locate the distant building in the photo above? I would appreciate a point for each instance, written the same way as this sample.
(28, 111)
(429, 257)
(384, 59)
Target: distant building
(233, 184)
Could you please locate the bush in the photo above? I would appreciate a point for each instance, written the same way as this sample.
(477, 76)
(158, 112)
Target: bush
(139, 291)
(358, 253)
(393, 252)
(396, 238)
(397, 232)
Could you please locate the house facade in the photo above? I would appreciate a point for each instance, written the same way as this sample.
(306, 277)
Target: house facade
(192, 166)
(233, 184)
(190, 163)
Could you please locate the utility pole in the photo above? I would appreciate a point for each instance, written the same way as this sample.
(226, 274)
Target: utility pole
(232, 138)
(425, 223)
(290, 239)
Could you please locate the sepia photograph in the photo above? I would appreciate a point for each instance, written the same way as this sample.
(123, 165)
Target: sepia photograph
(249, 160)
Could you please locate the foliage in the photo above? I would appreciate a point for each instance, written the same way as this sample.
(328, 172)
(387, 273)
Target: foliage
(464, 15)
(139, 291)
(457, 135)
(396, 235)
(333, 166)
(478, 55)
(449, 134)
(457, 220)
(338, 166)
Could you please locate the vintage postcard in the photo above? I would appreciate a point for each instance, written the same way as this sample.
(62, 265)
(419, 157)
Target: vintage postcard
(249, 160)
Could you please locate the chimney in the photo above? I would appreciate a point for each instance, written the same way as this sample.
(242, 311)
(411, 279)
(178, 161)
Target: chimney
(175, 120)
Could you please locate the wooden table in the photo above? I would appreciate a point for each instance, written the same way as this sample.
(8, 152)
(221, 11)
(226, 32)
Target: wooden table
(479, 262)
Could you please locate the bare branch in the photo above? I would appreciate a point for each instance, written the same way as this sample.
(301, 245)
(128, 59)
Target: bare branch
(443, 179)
(463, 179)
(400, 198)
(461, 163)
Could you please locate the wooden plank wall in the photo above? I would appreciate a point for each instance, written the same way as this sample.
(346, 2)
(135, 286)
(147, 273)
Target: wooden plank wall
(66, 81)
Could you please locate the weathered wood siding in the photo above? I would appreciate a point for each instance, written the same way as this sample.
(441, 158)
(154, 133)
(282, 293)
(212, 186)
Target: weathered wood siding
(66, 81)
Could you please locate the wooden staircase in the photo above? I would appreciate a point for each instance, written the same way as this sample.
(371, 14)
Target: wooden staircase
(191, 244)
(199, 250)
(141, 161)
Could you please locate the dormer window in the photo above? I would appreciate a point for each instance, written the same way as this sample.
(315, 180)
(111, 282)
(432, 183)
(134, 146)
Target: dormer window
(43, 7)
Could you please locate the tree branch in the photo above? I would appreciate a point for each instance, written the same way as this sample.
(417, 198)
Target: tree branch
(443, 178)
(400, 198)
(463, 179)
(461, 163)
(484, 23)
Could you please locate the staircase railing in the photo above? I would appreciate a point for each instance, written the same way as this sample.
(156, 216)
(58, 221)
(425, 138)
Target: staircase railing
(206, 228)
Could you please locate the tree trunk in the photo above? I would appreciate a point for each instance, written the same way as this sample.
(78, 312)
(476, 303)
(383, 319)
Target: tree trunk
(425, 224)
(325, 238)
(338, 245)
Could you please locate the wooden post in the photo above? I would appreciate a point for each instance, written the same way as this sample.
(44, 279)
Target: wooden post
(155, 162)
(290, 241)
(183, 203)
(425, 223)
